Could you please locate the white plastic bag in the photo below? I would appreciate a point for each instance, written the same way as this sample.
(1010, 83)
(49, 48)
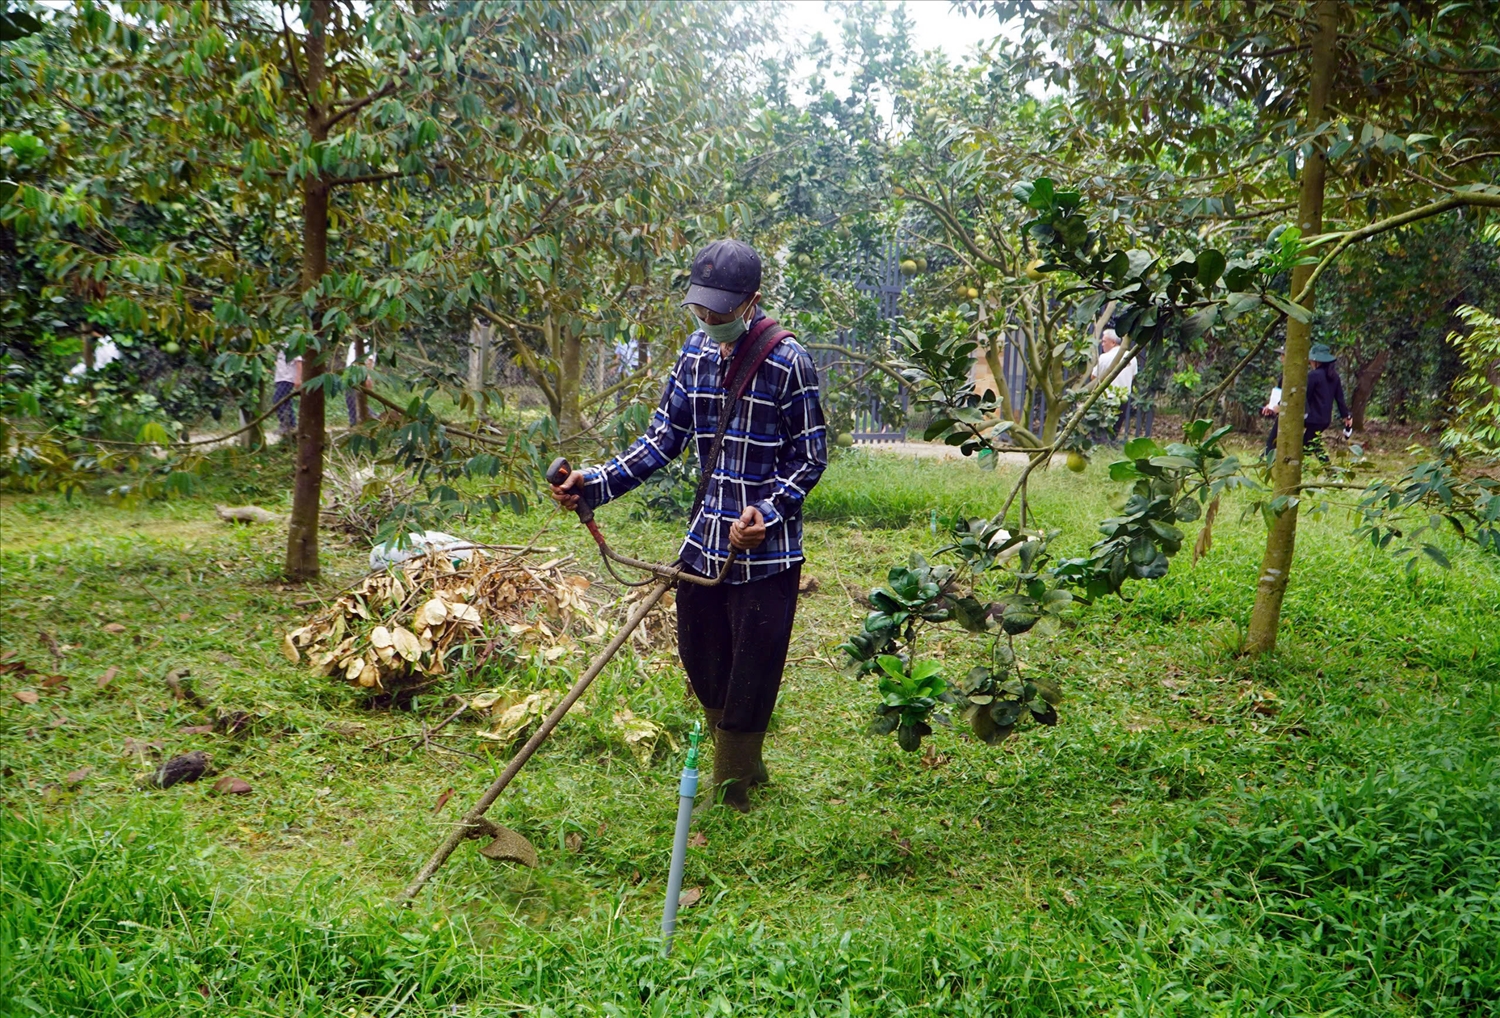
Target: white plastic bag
(429, 541)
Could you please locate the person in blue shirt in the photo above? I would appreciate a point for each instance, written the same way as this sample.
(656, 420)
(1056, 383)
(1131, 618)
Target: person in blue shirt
(732, 638)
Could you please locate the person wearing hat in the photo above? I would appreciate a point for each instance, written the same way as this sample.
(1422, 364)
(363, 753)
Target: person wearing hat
(773, 447)
(1324, 389)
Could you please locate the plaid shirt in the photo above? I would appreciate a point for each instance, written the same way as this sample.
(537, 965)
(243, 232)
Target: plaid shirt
(774, 452)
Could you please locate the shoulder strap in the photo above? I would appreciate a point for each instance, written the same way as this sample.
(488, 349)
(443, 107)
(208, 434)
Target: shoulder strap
(748, 357)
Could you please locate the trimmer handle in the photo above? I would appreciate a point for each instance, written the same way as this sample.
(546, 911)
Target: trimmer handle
(560, 471)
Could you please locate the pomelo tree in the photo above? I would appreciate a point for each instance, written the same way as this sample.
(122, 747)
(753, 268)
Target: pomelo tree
(1267, 110)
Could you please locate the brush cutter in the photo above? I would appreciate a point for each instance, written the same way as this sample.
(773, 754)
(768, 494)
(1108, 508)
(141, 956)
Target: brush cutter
(505, 844)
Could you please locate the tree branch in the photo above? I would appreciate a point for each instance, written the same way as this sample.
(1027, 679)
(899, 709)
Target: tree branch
(1351, 237)
(291, 53)
(387, 89)
(367, 178)
(957, 230)
(1128, 353)
(861, 358)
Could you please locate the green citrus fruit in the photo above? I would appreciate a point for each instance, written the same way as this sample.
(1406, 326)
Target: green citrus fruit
(1077, 461)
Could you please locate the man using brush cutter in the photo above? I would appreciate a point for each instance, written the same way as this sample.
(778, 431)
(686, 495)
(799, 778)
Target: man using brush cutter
(746, 393)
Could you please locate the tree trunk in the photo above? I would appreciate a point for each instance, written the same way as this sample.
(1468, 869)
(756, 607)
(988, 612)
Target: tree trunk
(481, 335)
(361, 402)
(1364, 386)
(307, 491)
(254, 438)
(1281, 541)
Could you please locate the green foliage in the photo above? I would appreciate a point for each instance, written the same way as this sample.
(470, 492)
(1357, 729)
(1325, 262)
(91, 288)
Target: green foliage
(908, 696)
(936, 359)
(918, 596)
(1475, 426)
(1396, 514)
(1167, 486)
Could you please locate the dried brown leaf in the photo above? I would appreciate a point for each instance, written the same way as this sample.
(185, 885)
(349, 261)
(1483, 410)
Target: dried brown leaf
(113, 627)
(689, 897)
(406, 643)
(231, 785)
(76, 777)
(26, 695)
(442, 800)
(108, 676)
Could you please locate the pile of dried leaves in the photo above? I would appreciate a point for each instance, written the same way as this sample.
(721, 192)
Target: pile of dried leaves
(395, 630)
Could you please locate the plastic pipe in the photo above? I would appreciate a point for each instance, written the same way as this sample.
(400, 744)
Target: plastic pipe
(687, 791)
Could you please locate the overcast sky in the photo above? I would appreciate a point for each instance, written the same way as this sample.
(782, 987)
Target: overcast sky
(937, 25)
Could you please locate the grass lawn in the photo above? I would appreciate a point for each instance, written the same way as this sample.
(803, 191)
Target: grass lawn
(1315, 833)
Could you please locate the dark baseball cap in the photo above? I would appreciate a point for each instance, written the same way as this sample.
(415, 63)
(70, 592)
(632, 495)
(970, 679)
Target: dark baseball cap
(726, 273)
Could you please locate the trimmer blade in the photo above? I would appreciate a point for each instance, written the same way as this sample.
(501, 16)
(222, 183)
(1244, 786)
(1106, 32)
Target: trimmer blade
(506, 845)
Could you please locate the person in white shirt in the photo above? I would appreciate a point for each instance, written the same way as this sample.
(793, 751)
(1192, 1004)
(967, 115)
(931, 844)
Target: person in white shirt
(351, 400)
(287, 377)
(1122, 383)
(1272, 409)
(1111, 344)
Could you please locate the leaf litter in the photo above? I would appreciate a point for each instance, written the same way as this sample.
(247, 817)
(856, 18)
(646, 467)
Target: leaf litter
(398, 628)
(402, 629)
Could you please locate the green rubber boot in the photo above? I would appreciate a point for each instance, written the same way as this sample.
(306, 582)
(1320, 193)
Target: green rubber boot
(738, 766)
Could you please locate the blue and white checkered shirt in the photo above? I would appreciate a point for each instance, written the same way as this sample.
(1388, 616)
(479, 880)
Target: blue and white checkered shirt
(774, 451)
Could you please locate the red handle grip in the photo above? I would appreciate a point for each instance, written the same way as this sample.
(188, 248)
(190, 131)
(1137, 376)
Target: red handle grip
(560, 471)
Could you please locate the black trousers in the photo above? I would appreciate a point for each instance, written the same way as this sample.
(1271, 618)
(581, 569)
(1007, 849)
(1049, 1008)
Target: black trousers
(1312, 439)
(733, 640)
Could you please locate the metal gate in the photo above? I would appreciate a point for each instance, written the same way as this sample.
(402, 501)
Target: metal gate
(878, 277)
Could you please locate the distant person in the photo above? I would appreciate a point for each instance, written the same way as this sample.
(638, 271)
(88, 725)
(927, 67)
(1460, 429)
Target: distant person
(351, 396)
(1122, 383)
(1110, 343)
(288, 376)
(104, 351)
(1324, 389)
